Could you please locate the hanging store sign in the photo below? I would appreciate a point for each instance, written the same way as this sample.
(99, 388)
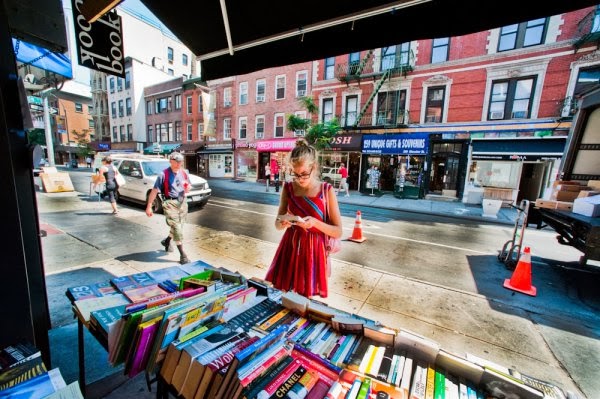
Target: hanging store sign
(99, 44)
(346, 142)
(402, 144)
(276, 145)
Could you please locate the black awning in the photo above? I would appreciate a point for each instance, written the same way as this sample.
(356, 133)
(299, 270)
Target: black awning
(523, 149)
(315, 29)
(346, 142)
(187, 148)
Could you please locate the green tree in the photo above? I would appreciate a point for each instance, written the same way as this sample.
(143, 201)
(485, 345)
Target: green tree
(319, 134)
(83, 142)
(36, 136)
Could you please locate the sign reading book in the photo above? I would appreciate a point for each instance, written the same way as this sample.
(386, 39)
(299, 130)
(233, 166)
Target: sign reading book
(99, 44)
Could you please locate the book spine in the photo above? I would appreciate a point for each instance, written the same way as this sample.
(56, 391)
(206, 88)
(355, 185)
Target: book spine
(257, 385)
(365, 389)
(430, 385)
(282, 390)
(265, 366)
(319, 391)
(353, 392)
(367, 359)
(272, 386)
(300, 389)
(440, 385)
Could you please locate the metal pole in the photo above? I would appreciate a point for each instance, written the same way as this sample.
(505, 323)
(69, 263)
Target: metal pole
(48, 131)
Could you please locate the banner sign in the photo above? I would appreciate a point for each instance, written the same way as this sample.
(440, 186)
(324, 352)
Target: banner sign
(401, 144)
(99, 44)
(346, 142)
(276, 145)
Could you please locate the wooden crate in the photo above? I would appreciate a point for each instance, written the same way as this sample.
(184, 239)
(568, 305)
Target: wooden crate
(550, 204)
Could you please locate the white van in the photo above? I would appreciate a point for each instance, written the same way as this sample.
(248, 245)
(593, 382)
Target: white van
(140, 172)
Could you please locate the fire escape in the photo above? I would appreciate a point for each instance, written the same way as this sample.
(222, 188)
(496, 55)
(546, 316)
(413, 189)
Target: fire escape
(380, 69)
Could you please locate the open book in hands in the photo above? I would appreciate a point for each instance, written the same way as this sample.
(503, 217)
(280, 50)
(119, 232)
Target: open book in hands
(290, 218)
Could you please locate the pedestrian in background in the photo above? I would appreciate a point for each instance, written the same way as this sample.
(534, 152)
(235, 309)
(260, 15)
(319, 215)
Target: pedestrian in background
(267, 175)
(109, 172)
(301, 260)
(344, 181)
(88, 162)
(173, 183)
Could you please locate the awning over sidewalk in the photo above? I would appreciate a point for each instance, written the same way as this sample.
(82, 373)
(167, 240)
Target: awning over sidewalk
(161, 149)
(190, 148)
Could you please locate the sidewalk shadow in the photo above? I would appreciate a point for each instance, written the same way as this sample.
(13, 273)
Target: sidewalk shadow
(147, 256)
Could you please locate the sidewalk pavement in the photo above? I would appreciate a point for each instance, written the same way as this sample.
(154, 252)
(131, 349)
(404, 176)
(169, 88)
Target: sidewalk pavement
(85, 244)
(440, 207)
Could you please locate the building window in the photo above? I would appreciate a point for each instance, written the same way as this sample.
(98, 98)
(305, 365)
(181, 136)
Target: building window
(171, 72)
(511, 99)
(390, 107)
(127, 80)
(200, 129)
(280, 87)
(261, 86)
(91, 123)
(122, 137)
(188, 129)
(522, 35)
(130, 132)
(112, 85)
(351, 110)
(149, 134)
(329, 68)
(243, 93)
(177, 101)
(119, 84)
(440, 49)
(227, 129)
(279, 125)
(327, 114)
(90, 109)
(435, 104)
(121, 108)
(353, 63)
(243, 127)
(170, 55)
(163, 105)
(260, 127)
(200, 103)
(113, 109)
(178, 131)
(301, 79)
(78, 107)
(114, 136)
(586, 79)
(227, 97)
(302, 115)
(128, 106)
(184, 59)
(149, 107)
(405, 54)
(188, 104)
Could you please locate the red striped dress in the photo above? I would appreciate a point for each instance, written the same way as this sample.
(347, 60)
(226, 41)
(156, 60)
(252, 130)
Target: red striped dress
(300, 263)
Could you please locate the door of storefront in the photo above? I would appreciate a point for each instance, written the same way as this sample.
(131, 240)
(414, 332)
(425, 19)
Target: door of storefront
(448, 163)
(264, 160)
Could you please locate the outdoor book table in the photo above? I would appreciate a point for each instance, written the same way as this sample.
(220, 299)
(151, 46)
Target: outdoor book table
(243, 336)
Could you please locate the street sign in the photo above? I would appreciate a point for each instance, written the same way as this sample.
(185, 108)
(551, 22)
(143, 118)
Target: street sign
(34, 100)
(157, 148)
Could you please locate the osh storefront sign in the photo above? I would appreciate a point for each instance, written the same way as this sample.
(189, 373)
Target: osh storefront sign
(346, 142)
(402, 144)
(99, 44)
(275, 145)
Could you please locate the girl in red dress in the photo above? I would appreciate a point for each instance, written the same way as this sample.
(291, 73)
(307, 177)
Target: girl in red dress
(300, 263)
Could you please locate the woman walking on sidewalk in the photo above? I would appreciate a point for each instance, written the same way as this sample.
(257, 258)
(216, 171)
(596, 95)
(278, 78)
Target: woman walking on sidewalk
(173, 183)
(109, 172)
(301, 260)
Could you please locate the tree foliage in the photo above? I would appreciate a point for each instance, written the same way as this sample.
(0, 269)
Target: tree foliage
(319, 134)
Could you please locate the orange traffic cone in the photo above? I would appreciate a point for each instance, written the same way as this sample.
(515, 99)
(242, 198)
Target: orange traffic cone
(357, 235)
(521, 278)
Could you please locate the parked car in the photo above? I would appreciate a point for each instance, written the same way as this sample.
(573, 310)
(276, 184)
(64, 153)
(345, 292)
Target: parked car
(140, 173)
(331, 175)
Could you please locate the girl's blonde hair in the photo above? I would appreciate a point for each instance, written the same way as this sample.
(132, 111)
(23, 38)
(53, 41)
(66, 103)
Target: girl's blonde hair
(303, 153)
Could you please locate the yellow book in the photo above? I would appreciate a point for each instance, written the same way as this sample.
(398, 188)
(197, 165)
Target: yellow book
(430, 387)
(274, 319)
(367, 359)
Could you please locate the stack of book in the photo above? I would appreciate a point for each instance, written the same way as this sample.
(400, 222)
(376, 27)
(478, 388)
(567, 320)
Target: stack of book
(238, 338)
(23, 374)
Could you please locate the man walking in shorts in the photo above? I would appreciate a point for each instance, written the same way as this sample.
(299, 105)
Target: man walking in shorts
(173, 183)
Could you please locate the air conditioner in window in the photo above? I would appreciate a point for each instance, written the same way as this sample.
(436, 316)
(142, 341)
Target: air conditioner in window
(301, 93)
(260, 99)
(298, 133)
(259, 135)
(497, 115)
(431, 118)
(228, 103)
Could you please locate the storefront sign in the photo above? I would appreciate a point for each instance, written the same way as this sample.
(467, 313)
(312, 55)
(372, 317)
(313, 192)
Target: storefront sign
(99, 44)
(346, 142)
(402, 144)
(244, 144)
(275, 145)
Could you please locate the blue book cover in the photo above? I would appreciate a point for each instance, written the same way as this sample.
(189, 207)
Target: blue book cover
(91, 291)
(36, 387)
(137, 280)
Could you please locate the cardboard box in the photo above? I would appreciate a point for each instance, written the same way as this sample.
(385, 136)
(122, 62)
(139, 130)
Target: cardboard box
(588, 206)
(571, 187)
(550, 204)
(594, 184)
(564, 182)
(568, 196)
(56, 182)
(587, 193)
